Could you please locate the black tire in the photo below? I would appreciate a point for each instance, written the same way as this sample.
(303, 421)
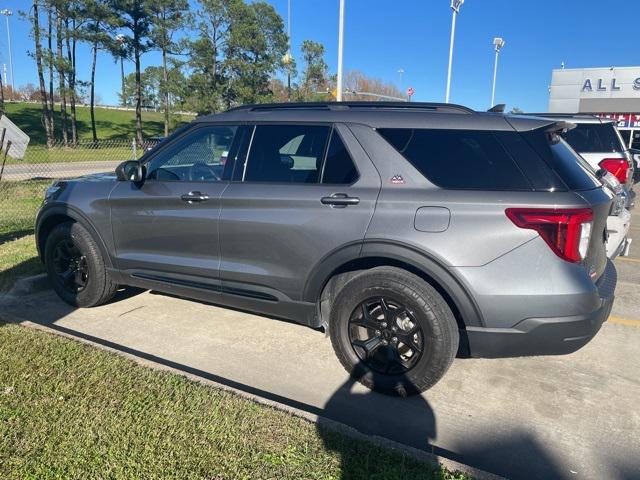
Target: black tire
(97, 285)
(436, 331)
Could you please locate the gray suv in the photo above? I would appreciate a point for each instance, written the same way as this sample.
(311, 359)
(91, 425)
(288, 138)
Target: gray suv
(410, 232)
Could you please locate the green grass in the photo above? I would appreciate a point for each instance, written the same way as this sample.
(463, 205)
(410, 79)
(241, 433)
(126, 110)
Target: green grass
(19, 202)
(110, 124)
(18, 258)
(68, 410)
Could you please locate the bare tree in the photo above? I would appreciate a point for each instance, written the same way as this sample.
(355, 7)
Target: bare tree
(356, 81)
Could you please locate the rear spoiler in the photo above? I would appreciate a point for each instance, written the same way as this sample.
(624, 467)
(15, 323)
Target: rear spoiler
(560, 127)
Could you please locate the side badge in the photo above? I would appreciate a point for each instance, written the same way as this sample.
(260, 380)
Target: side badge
(397, 180)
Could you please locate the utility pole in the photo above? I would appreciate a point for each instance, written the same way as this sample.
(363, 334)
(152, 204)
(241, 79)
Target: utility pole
(455, 6)
(498, 43)
(340, 48)
(7, 13)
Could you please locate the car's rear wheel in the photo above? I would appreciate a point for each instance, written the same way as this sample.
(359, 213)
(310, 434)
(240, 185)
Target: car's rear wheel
(76, 268)
(392, 331)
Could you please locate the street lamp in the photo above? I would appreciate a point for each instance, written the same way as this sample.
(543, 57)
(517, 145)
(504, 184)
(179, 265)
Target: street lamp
(288, 59)
(455, 6)
(498, 43)
(7, 13)
(340, 48)
(401, 72)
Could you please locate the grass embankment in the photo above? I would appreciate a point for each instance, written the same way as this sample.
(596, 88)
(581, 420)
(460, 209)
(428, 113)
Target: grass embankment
(110, 124)
(69, 410)
(115, 129)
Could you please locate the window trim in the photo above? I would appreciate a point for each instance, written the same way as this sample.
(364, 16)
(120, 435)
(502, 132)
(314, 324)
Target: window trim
(180, 135)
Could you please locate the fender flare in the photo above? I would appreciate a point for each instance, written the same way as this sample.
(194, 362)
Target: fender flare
(399, 252)
(78, 217)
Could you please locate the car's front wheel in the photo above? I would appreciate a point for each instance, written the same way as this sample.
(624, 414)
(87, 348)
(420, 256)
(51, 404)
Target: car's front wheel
(392, 331)
(76, 268)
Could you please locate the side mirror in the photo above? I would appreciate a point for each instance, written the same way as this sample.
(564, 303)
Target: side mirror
(130, 171)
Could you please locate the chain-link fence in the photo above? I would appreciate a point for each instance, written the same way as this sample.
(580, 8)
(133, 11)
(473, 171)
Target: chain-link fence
(23, 182)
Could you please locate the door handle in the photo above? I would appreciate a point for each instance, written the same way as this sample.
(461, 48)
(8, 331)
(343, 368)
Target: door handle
(340, 200)
(195, 197)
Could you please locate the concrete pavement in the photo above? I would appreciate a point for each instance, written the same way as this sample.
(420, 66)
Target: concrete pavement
(572, 416)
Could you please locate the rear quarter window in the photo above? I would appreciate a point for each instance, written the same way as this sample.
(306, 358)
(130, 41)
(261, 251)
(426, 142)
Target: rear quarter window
(458, 159)
(570, 166)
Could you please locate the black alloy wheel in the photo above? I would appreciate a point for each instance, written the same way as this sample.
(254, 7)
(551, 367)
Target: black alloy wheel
(70, 266)
(386, 336)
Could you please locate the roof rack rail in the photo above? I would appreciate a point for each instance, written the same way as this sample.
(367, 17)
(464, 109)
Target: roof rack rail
(438, 107)
(563, 115)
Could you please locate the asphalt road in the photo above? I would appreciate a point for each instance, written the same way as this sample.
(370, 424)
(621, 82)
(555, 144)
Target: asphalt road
(30, 171)
(573, 416)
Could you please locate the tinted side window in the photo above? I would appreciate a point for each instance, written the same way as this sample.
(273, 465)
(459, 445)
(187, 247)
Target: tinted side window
(594, 138)
(570, 166)
(286, 153)
(338, 166)
(200, 155)
(459, 159)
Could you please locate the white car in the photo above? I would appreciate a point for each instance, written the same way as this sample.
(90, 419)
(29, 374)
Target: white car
(618, 223)
(599, 143)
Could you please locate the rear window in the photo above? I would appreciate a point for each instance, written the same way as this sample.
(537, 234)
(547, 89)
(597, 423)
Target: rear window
(571, 167)
(594, 138)
(458, 159)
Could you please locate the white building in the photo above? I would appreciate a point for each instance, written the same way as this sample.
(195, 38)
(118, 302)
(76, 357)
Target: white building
(611, 92)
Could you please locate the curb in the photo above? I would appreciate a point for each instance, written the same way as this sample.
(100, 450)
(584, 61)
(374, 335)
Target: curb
(347, 430)
(29, 285)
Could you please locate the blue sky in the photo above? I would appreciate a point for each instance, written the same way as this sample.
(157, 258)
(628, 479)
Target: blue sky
(382, 36)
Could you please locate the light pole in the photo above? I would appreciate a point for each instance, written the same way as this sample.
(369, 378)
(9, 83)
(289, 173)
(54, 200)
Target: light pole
(455, 6)
(288, 59)
(498, 43)
(340, 47)
(7, 13)
(401, 72)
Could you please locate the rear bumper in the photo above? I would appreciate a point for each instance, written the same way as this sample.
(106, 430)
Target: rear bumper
(544, 336)
(631, 198)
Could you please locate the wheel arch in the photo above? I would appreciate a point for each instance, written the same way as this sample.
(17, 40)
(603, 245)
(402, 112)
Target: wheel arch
(340, 266)
(53, 216)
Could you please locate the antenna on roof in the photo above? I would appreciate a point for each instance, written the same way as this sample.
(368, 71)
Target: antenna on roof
(499, 108)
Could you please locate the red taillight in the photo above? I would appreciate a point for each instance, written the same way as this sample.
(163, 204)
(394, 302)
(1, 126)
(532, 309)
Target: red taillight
(619, 167)
(566, 231)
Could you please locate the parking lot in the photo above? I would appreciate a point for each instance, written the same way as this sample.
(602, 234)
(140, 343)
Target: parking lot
(572, 416)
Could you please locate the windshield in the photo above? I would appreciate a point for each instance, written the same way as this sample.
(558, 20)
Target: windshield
(594, 138)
